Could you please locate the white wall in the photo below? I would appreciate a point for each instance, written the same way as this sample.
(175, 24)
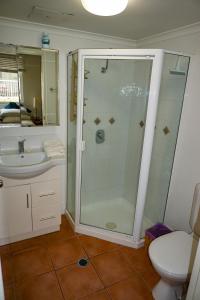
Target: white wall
(187, 163)
(28, 34)
(186, 171)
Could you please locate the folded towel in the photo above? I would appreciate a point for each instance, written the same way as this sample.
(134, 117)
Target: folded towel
(54, 149)
(52, 143)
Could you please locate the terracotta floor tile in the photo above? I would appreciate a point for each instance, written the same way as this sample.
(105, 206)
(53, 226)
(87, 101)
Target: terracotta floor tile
(66, 252)
(131, 251)
(94, 246)
(64, 220)
(28, 270)
(151, 278)
(130, 289)
(28, 243)
(9, 292)
(77, 282)
(140, 262)
(65, 232)
(43, 287)
(138, 259)
(111, 267)
(7, 269)
(102, 295)
(31, 262)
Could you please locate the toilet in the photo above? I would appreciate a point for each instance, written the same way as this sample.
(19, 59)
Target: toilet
(170, 255)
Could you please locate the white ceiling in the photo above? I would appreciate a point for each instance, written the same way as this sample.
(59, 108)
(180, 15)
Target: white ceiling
(142, 18)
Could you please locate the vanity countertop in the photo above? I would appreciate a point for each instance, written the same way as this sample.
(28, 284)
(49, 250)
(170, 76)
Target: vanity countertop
(1, 285)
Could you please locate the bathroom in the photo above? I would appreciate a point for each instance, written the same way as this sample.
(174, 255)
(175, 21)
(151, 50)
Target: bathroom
(27, 31)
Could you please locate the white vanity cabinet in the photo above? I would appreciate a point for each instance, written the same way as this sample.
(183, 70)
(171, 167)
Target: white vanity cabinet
(30, 207)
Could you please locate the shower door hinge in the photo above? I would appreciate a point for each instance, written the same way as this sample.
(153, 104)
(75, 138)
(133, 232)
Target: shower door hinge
(83, 146)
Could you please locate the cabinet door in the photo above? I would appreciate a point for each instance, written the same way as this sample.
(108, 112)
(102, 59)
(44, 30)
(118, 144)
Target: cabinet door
(18, 207)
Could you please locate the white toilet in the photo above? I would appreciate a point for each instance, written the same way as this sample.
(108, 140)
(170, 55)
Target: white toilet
(170, 255)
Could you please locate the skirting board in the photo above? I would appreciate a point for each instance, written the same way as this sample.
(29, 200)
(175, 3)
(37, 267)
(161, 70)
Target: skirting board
(8, 240)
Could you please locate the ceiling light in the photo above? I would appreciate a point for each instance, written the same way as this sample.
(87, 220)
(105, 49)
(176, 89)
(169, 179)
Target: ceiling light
(105, 7)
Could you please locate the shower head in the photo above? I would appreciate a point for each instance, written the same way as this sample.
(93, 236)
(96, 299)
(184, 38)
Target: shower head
(104, 69)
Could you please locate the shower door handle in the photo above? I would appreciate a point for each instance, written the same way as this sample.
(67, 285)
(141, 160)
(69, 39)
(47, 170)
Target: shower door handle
(82, 145)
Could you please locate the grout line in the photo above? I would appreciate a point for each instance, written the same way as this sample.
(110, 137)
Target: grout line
(59, 284)
(97, 274)
(104, 251)
(97, 292)
(133, 272)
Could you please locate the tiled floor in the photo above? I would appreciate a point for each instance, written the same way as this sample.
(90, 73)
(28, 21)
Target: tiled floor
(45, 268)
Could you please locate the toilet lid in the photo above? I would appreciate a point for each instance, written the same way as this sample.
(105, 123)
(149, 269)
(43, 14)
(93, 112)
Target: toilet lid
(171, 253)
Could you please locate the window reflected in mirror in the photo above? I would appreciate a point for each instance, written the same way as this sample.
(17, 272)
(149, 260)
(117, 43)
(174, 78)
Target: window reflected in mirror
(9, 90)
(28, 86)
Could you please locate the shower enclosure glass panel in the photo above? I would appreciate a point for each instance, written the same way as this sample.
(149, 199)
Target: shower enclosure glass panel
(173, 81)
(71, 132)
(115, 106)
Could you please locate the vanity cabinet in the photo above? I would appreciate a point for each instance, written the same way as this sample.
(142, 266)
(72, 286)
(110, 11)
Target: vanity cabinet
(30, 207)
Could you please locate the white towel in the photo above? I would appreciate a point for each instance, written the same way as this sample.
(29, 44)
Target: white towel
(54, 149)
(52, 143)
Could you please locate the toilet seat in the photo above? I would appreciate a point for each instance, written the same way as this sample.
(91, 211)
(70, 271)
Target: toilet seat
(170, 254)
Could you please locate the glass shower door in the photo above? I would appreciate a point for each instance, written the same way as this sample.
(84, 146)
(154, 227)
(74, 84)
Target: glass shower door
(173, 81)
(115, 95)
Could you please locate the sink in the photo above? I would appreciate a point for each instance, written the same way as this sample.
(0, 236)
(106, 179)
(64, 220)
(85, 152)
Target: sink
(25, 159)
(26, 165)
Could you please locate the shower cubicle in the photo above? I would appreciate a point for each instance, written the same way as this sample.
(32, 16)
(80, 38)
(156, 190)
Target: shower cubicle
(124, 110)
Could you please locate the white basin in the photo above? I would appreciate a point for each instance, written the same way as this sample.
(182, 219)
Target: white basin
(25, 159)
(26, 165)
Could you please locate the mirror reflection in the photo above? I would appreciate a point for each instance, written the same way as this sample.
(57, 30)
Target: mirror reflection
(28, 86)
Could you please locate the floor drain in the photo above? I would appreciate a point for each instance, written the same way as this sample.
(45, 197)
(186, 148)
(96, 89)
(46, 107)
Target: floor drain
(111, 225)
(82, 262)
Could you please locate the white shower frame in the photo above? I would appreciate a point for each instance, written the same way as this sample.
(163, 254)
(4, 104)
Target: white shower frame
(156, 55)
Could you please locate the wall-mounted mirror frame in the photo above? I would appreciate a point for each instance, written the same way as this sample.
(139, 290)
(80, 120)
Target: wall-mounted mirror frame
(28, 86)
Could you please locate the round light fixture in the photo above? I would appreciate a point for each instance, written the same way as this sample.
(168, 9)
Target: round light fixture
(105, 7)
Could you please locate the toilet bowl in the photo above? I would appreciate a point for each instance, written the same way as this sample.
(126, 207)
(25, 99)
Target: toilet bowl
(170, 255)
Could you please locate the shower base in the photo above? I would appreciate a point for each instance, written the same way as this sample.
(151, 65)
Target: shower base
(114, 215)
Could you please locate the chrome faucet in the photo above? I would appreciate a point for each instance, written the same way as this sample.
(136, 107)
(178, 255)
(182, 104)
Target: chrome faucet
(21, 146)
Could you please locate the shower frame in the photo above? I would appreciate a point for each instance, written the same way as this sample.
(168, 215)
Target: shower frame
(156, 55)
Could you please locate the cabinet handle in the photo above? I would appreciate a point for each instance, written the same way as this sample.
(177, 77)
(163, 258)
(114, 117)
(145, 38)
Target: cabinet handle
(48, 218)
(48, 194)
(27, 201)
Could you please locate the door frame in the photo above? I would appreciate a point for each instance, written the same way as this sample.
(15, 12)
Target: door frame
(156, 56)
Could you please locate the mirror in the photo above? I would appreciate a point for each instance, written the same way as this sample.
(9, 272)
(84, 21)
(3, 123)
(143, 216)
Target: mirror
(28, 86)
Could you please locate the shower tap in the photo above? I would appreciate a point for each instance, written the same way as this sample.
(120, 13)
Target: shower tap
(100, 136)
